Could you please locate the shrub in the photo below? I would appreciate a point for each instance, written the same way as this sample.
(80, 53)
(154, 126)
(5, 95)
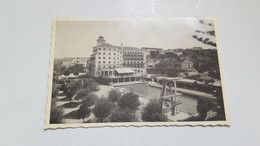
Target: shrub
(102, 109)
(152, 112)
(123, 115)
(89, 100)
(56, 115)
(129, 100)
(83, 112)
(81, 93)
(70, 105)
(114, 95)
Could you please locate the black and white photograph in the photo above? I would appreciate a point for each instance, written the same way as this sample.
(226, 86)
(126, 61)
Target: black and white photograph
(135, 72)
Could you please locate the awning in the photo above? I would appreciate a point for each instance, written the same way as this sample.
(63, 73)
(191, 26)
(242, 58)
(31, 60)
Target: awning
(124, 70)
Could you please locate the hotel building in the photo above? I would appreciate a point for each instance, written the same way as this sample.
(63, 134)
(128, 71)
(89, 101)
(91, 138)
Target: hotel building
(109, 60)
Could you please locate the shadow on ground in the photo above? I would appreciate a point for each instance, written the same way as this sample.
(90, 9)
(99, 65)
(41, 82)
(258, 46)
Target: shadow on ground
(71, 115)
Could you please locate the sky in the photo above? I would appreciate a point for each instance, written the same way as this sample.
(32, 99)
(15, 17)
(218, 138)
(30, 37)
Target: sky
(77, 38)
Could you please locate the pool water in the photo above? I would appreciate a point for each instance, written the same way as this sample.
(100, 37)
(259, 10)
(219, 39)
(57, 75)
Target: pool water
(188, 103)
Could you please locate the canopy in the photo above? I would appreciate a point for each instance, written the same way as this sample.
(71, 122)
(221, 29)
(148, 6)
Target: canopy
(124, 70)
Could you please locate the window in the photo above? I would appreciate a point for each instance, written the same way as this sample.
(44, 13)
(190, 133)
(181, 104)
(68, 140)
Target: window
(114, 57)
(114, 62)
(99, 53)
(99, 48)
(104, 57)
(109, 57)
(108, 61)
(104, 61)
(104, 53)
(99, 62)
(114, 53)
(109, 53)
(99, 57)
(104, 48)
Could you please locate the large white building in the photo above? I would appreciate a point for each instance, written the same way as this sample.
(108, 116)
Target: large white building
(106, 58)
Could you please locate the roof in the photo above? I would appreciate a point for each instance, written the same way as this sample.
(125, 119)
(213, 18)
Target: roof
(152, 48)
(124, 70)
(187, 61)
(104, 45)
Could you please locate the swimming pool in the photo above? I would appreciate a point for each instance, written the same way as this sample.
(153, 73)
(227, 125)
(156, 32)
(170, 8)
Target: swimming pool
(188, 105)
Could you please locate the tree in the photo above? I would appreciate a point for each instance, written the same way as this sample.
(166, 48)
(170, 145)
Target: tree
(89, 100)
(55, 90)
(114, 95)
(56, 115)
(76, 73)
(129, 100)
(72, 88)
(203, 106)
(152, 112)
(123, 115)
(91, 84)
(83, 112)
(81, 93)
(102, 109)
(66, 72)
(211, 33)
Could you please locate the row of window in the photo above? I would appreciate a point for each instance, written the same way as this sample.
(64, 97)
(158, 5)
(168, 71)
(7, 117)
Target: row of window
(132, 62)
(108, 66)
(132, 52)
(108, 58)
(133, 55)
(109, 62)
(107, 49)
(105, 53)
(133, 58)
(133, 65)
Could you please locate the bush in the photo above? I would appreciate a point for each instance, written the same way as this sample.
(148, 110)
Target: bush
(102, 80)
(56, 115)
(76, 73)
(129, 100)
(55, 90)
(114, 95)
(81, 93)
(66, 72)
(102, 109)
(83, 112)
(91, 84)
(89, 100)
(152, 112)
(70, 105)
(123, 115)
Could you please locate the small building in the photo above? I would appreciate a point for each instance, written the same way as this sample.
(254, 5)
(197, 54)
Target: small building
(187, 64)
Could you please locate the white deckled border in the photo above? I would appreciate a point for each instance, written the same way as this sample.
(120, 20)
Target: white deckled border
(135, 124)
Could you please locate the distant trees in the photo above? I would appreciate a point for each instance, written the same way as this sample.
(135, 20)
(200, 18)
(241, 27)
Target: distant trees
(154, 54)
(152, 112)
(56, 115)
(130, 101)
(102, 109)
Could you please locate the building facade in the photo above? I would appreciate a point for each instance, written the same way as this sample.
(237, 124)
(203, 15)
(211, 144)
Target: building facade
(107, 57)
